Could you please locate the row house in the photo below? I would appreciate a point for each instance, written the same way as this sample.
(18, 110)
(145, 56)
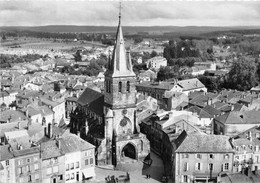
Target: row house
(247, 150)
(162, 131)
(7, 165)
(7, 97)
(201, 157)
(159, 90)
(53, 159)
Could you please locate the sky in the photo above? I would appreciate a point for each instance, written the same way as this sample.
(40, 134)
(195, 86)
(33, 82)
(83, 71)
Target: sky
(134, 13)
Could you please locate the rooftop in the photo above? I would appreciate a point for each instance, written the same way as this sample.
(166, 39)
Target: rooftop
(93, 99)
(240, 117)
(203, 143)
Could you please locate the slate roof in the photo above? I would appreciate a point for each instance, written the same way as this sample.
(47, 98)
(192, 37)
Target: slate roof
(93, 100)
(203, 143)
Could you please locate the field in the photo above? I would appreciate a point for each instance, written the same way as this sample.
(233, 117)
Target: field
(23, 44)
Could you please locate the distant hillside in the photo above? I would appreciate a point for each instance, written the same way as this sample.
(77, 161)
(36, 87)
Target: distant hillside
(240, 31)
(130, 29)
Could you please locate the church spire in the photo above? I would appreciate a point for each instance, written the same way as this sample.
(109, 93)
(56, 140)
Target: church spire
(121, 64)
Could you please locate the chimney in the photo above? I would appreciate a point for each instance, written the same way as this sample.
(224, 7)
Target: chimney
(78, 133)
(250, 136)
(49, 130)
(18, 125)
(232, 140)
(232, 107)
(170, 114)
(58, 142)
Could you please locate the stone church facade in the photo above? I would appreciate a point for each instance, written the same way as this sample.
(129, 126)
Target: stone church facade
(108, 120)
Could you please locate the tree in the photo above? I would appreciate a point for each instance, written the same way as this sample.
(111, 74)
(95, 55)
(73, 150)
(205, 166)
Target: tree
(242, 75)
(212, 84)
(77, 56)
(258, 69)
(138, 40)
(153, 54)
(166, 73)
(3, 37)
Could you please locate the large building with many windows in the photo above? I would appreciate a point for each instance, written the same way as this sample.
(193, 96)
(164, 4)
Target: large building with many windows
(201, 157)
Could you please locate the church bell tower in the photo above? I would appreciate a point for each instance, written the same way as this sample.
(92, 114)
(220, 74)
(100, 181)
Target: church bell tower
(119, 91)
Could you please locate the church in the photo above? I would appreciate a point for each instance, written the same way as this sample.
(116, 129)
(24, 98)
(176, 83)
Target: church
(108, 120)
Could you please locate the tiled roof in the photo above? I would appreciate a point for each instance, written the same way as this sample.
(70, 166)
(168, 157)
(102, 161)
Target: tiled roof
(161, 85)
(5, 153)
(240, 117)
(49, 102)
(28, 94)
(190, 84)
(257, 88)
(203, 143)
(12, 115)
(73, 143)
(93, 99)
(211, 110)
(32, 150)
(8, 127)
(50, 149)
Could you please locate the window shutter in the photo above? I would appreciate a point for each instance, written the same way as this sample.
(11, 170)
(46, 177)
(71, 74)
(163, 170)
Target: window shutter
(187, 166)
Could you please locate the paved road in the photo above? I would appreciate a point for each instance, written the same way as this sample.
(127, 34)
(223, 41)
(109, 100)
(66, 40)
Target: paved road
(136, 170)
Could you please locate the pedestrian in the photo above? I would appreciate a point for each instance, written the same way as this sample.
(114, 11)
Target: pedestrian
(147, 176)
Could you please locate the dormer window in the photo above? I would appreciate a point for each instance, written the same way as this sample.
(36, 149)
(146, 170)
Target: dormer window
(120, 86)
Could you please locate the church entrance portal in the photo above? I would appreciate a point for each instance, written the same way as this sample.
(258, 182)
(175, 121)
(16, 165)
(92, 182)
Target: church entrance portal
(129, 151)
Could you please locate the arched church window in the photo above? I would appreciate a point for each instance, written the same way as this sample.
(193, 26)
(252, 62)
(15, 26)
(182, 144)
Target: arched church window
(128, 86)
(120, 86)
(109, 86)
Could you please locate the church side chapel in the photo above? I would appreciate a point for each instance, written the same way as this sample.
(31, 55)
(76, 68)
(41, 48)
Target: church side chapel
(108, 120)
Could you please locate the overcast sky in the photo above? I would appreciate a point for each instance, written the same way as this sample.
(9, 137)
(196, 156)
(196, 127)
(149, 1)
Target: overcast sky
(138, 13)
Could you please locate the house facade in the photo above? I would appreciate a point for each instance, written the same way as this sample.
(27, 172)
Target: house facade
(201, 157)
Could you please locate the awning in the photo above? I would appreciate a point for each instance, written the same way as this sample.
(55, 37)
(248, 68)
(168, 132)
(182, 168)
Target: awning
(89, 172)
